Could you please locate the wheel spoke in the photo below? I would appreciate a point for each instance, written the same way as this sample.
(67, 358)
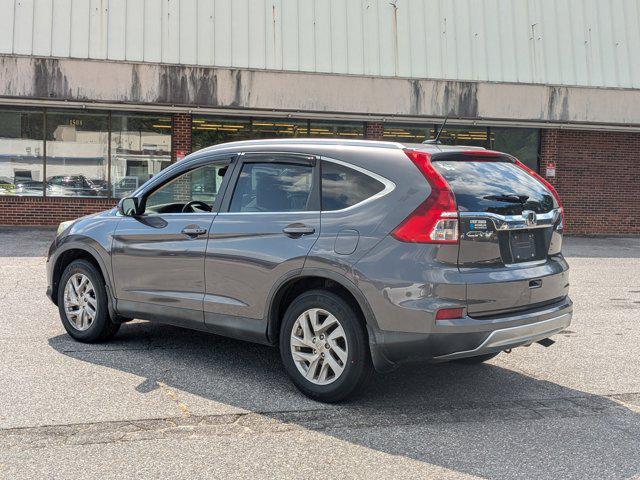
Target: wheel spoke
(337, 369)
(307, 333)
(329, 322)
(313, 366)
(305, 357)
(324, 372)
(313, 320)
(300, 342)
(90, 312)
(340, 353)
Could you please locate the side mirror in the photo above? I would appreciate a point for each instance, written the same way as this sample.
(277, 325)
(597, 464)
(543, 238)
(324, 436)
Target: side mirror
(128, 206)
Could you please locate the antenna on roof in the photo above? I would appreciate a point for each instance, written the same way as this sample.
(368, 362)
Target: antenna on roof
(436, 141)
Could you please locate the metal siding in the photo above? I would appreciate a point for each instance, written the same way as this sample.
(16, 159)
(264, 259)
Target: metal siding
(563, 42)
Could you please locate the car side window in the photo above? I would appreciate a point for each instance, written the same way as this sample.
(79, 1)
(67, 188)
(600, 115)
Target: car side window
(200, 186)
(344, 187)
(272, 187)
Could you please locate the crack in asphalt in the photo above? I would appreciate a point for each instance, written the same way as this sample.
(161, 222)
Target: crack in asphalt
(324, 419)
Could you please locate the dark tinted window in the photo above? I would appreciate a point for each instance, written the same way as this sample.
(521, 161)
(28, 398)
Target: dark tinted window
(272, 187)
(496, 187)
(343, 187)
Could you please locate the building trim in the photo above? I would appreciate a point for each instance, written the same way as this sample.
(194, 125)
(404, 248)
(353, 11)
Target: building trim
(111, 85)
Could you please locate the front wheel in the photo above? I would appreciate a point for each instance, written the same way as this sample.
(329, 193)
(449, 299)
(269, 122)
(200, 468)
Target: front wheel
(82, 303)
(324, 347)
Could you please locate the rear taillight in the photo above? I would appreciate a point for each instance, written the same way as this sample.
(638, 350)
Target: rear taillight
(436, 219)
(544, 181)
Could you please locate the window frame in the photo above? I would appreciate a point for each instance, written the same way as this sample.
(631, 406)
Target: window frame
(389, 186)
(293, 158)
(171, 174)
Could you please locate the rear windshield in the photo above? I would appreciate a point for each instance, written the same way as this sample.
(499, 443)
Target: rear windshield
(495, 187)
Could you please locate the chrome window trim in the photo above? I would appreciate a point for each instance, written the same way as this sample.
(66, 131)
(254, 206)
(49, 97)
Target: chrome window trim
(389, 186)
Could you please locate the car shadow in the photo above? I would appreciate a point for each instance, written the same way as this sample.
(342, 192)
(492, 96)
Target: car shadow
(481, 420)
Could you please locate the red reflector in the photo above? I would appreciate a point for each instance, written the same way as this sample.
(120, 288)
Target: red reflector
(436, 219)
(449, 313)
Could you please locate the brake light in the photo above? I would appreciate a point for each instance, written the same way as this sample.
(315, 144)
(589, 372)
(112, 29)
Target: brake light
(436, 219)
(449, 313)
(544, 181)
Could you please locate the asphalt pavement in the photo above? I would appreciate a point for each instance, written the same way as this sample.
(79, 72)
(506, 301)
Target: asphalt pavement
(163, 402)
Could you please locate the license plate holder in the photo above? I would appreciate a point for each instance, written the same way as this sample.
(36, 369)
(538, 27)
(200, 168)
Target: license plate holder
(523, 246)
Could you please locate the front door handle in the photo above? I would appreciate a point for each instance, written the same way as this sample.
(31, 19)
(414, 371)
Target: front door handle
(296, 230)
(194, 231)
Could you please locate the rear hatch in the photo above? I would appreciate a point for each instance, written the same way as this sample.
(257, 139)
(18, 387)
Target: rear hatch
(510, 230)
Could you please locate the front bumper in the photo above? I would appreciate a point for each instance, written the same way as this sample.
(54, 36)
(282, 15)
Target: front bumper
(468, 337)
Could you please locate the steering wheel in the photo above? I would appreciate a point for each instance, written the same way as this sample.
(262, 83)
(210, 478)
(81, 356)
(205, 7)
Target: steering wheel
(198, 203)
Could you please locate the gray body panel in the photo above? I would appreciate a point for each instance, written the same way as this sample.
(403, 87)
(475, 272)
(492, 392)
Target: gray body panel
(227, 280)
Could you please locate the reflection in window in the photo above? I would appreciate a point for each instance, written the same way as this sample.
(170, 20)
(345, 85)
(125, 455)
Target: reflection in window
(207, 131)
(346, 130)
(77, 149)
(272, 187)
(21, 152)
(344, 187)
(522, 143)
(201, 184)
(140, 149)
(278, 128)
(464, 135)
(408, 133)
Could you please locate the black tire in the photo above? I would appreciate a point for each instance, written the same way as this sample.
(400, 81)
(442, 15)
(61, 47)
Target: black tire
(102, 328)
(358, 367)
(477, 359)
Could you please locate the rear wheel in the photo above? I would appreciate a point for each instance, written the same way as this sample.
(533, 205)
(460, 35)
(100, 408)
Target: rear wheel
(477, 359)
(82, 303)
(324, 347)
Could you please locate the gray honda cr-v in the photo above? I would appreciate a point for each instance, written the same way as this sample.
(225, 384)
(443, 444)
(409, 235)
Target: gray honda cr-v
(349, 255)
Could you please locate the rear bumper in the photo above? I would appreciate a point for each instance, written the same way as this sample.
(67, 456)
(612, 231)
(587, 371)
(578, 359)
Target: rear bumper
(506, 338)
(468, 337)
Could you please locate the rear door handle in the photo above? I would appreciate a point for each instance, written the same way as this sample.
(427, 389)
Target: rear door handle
(194, 231)
(298, 230)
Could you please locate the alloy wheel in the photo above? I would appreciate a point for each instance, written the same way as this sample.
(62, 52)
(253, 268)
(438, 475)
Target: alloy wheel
(319, 346)
(80, 303)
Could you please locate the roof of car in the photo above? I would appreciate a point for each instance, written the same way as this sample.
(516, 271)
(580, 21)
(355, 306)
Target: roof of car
(307, 142)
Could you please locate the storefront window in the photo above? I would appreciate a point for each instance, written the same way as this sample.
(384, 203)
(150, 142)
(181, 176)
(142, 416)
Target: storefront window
(464, 135)
(274, 128)
(408, 133)
(346, 130)
(140, 148)
(522, 143)
(21, 152)
(207, 131)
(77, 149)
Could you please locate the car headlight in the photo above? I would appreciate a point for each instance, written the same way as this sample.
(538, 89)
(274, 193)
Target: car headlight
(63, 226)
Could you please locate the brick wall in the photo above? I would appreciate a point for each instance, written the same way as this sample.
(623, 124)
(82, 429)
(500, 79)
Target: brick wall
(181, 134)
(373, 130)
(597, 177)
(50, 211)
